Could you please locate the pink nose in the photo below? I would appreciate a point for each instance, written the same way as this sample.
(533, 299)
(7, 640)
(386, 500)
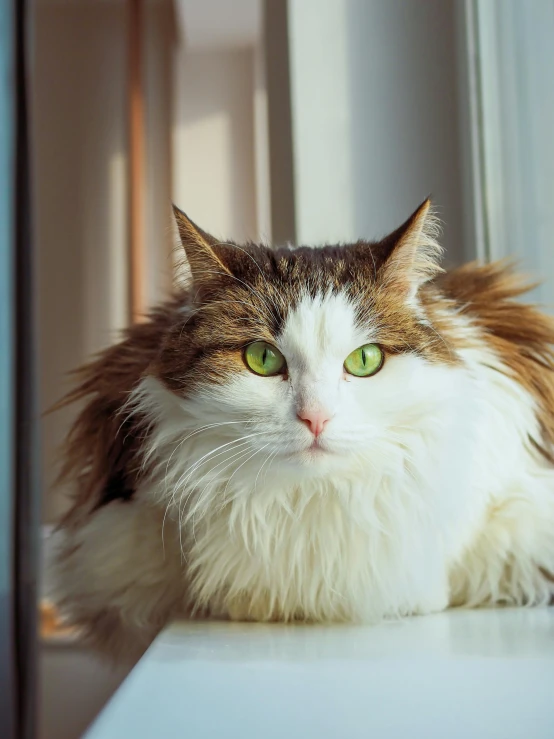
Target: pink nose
(314, 420)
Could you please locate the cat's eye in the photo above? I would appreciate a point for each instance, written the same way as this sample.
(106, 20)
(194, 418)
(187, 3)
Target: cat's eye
(264, 359)
(365, 361)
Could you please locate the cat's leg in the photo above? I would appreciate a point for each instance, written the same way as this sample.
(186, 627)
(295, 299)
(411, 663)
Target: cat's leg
(418, 583)
(511, 561)
(430, 592)
(117, 579)
(434, 600)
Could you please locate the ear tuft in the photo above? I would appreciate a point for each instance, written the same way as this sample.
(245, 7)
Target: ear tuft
(415, 256)
(201, 250)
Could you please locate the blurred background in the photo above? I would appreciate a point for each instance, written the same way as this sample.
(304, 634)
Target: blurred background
(307, 121)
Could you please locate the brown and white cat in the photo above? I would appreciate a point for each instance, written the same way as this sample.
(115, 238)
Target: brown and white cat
(324, 434)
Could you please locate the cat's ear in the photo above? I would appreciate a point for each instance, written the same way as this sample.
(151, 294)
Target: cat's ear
(413, 253)
(205, 257)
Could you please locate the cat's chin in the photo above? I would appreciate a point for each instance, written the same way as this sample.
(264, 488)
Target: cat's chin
(310, 453)
(313, 459)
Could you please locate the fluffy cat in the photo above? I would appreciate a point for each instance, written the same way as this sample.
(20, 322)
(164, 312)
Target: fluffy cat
(341, 433)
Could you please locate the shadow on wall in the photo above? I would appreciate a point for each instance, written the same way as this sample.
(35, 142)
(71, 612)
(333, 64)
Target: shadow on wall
(404, 115)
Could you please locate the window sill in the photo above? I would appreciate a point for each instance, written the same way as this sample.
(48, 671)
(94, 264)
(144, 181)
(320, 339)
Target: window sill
(474, 674)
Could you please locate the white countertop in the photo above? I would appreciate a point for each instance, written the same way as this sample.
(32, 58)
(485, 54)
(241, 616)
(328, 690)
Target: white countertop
(472, 674)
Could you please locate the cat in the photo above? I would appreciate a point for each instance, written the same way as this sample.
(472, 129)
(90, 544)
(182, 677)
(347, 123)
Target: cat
(342, 433)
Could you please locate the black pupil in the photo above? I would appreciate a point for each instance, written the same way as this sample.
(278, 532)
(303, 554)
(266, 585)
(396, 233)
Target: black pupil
(363, 357)
(264, 355)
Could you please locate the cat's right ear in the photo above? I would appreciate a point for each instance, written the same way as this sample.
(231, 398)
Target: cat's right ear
(202, 251)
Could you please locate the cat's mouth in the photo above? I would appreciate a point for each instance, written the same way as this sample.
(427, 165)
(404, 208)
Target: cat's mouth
(316, 450)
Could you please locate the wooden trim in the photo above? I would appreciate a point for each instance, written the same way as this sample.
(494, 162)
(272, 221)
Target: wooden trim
(137, 255)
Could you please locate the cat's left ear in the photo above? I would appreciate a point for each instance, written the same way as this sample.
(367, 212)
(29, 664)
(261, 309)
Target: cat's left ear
(414, 253)
(204, 253)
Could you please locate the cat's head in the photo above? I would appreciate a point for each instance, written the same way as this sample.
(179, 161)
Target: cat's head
(314, 356)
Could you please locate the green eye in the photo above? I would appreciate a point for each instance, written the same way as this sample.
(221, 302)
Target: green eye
(365, 361)
(264, 359)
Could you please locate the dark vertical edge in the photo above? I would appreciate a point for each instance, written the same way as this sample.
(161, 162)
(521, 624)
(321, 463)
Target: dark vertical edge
(8, 666)
(27, 499)
(281, 165)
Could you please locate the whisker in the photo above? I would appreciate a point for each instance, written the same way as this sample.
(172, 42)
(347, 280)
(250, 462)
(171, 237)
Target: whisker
(182, 483)
(242, 465)
(228, 463)
(259, 471)
(186, 476)
(172, 498)
(198, 504)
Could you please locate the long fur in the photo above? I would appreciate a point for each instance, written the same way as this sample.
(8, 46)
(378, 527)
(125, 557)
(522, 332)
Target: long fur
(198, 491)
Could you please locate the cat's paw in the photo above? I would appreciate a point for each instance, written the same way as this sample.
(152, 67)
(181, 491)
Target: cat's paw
(432, 603)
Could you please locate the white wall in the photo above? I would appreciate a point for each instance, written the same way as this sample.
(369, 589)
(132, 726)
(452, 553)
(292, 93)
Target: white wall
(374, 115)
(214, 178)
